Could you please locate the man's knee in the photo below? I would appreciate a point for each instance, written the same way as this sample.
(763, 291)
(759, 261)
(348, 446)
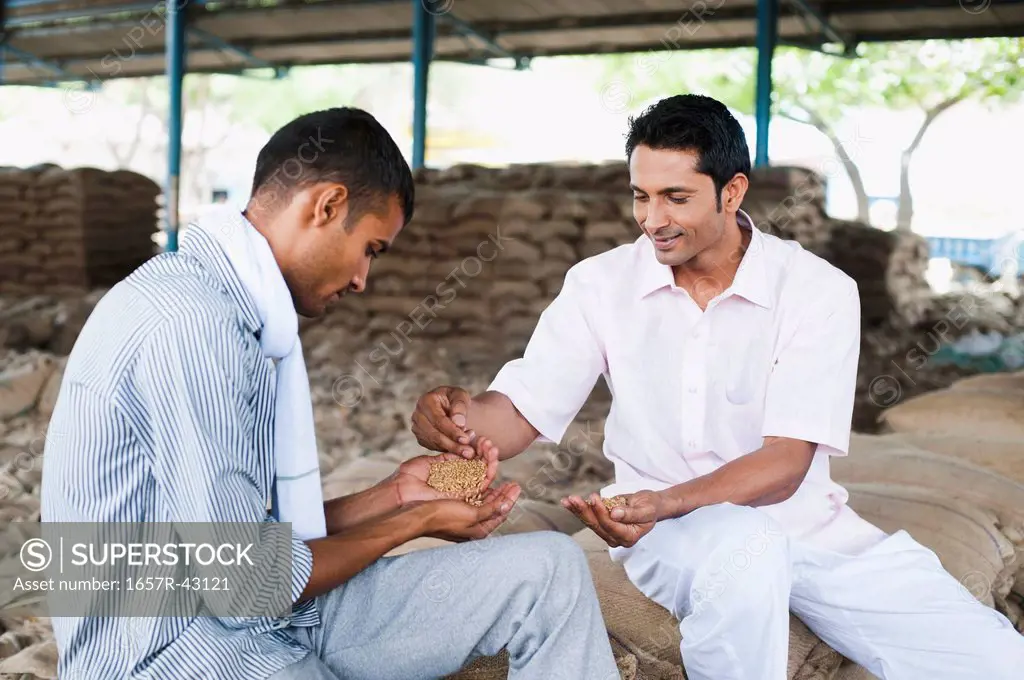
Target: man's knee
(744, 553)
(554, 560)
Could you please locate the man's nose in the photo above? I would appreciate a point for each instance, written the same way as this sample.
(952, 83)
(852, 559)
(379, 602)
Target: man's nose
(657, 217)
(357, 284)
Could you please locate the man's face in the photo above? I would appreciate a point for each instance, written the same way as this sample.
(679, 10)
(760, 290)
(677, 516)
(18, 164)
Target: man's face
(674, 204)
(322, 260)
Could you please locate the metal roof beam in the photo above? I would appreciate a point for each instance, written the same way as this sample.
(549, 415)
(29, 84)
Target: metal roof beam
(29, 59)
(72, 15)
(490, 41)
(811, 14)
(224, 46)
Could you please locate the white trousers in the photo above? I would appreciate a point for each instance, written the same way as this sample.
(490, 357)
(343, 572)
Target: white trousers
(731, 576)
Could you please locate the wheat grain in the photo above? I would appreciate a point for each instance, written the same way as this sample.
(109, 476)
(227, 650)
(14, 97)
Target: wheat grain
(614, 502)
(463, 479)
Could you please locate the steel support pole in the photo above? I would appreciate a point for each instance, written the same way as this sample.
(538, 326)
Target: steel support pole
(423, 26)
(767, 39)
(176, 20)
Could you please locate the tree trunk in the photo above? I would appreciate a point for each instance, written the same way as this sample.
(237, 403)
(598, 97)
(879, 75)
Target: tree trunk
(124, 161)
(905, 210)
(863, 212)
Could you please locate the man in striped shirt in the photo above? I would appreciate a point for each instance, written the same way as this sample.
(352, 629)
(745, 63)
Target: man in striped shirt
(166, 415)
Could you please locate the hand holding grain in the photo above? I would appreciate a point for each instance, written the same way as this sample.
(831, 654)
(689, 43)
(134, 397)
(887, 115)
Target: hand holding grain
(457, 520)
(439, 421)
(417, 478)
(620, 521)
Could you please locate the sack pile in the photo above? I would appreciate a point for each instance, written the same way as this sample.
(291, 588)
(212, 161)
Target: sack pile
(789, 202)
(889, 268)
(73, 229)
(973, 433)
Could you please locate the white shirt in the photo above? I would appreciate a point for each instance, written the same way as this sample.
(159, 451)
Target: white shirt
(775, 354)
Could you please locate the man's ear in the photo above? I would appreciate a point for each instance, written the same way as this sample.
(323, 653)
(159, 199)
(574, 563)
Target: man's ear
(734, 191)
(331, 205)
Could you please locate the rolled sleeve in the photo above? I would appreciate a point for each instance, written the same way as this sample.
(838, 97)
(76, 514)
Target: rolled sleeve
(564, 358)
(302, 566)
(811, 388)
(195, 380)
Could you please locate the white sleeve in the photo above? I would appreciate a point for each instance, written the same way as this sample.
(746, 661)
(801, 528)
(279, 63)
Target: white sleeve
(562, 361)
(811, 388)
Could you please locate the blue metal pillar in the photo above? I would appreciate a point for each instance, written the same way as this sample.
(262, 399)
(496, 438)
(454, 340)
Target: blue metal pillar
(3, 38)
(423, 27)
(175, 38)
(767, 38)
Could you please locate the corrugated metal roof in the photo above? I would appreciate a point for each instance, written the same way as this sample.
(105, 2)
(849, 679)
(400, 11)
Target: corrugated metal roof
(128, 38)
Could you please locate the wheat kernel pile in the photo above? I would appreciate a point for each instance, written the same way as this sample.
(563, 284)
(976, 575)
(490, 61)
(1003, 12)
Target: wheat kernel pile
(459, 479)
(614, 502)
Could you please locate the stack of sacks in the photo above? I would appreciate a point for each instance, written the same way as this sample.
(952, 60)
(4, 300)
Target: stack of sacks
(894, 366)
(978, 421)
(607, 178)
(985, 406)
(976, 310)
(645, 637)
(72, 229)
(790, 202)
(889, 268)
(15, 211)
(881, 469)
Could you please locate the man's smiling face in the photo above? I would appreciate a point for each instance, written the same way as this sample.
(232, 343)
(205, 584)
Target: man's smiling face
(676, 206)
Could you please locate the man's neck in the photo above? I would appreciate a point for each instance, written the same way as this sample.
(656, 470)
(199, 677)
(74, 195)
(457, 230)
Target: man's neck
(714, 270)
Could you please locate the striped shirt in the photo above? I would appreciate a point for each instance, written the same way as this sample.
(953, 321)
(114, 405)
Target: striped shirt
(165, 414)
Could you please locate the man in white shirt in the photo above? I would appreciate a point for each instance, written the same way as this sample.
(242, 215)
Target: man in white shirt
(731, 356)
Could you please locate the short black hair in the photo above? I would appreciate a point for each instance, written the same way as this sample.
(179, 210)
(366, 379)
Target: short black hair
(344, 145)
(693, 122)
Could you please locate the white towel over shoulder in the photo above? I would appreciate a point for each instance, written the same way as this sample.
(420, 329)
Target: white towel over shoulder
(297, 496)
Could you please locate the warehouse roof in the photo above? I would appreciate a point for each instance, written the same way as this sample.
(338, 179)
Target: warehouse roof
(55, 40)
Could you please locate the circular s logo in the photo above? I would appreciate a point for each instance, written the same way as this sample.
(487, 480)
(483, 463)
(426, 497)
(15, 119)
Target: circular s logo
(36, 554)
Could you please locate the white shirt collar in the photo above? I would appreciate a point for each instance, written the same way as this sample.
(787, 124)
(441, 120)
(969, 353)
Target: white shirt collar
(753, 279)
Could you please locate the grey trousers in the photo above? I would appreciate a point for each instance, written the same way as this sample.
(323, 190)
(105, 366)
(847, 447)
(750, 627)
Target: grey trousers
(426, 614)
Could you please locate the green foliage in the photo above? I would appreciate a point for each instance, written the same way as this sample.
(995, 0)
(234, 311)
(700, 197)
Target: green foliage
(907, 75)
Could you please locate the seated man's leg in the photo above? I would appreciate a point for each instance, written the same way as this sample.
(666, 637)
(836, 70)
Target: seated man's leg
(895, 611)
(427, 614)
(724, 571)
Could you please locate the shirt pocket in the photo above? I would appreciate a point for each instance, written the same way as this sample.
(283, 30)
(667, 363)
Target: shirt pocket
(744, 365)
(738, 371)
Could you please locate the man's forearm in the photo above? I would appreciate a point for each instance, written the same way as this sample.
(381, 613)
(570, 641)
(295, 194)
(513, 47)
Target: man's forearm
(348, 511)
(492, 415)
(340, 557)
(764, 477)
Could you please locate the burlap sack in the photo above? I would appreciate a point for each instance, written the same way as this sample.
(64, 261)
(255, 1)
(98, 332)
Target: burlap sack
(20, 387)
(496, 667)
(989, 414)
(1002, 457)
(39, 660)
(851, 671)
(966, 538)
(996, 382)
(531, 515)
(884, 460)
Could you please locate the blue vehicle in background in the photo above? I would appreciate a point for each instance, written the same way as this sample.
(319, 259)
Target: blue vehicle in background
(992, 257)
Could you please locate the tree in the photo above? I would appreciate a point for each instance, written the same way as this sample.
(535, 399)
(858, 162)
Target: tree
(818, 89)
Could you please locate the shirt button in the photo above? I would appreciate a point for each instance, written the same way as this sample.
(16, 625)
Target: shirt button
(692, 390)
(691, 443)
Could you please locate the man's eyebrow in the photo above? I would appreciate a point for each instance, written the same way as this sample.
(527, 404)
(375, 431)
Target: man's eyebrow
(667, 190)
(677, 190)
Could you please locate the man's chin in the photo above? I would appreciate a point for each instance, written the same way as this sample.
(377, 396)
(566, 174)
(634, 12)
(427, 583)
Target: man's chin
(672, 258)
